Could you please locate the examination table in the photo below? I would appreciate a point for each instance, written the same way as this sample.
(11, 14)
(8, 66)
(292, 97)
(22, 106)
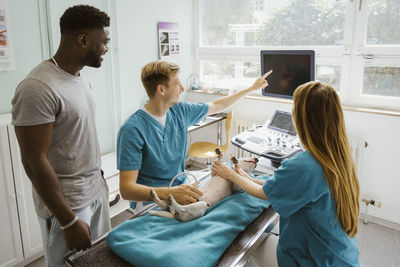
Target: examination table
(235, 255)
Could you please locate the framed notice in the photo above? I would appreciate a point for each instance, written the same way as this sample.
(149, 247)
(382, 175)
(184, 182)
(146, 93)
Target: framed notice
(6, 59)
(168, 40)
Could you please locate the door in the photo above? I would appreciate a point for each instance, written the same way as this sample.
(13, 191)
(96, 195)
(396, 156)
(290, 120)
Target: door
(10, 243)
(29, 223)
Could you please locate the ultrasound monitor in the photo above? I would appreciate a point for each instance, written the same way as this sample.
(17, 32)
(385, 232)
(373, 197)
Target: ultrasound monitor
(291, 68)
(282, 122)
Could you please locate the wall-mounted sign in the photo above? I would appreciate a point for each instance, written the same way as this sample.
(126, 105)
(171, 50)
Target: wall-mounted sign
(168, 41)
(6, 58)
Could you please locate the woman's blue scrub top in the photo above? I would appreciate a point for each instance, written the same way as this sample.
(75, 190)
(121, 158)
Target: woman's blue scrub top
(158, 152)
(310, 233)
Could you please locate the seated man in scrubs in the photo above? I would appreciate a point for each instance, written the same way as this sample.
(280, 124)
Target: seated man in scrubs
(316, 192)
(152, 143)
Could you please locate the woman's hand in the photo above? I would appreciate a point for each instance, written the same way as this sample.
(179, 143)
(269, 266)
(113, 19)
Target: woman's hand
(222, 170)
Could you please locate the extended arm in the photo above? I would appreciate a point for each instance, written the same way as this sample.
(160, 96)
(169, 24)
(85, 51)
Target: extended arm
(34, 142)
(249, 186)
(131, 190)
(223, 103)
(244, 174)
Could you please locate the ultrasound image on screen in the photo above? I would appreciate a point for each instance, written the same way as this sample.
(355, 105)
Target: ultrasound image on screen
(284, 122)
(289, 71)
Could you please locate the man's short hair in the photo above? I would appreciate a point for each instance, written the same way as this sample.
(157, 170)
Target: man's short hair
(80, 18)
(155, 73)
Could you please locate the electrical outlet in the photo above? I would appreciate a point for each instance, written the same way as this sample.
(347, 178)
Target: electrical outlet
(372, 202)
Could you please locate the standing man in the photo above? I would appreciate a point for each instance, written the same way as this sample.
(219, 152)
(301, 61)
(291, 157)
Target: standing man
(54, 117)
(152, 142)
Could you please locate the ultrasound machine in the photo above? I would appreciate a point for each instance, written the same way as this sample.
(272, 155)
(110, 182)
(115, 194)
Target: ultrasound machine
(277, 139)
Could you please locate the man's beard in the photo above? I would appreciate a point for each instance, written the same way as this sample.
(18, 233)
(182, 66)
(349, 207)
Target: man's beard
(93, 60)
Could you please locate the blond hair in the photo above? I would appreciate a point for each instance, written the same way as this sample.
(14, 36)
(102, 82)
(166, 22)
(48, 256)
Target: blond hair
(155, 73)
(319, 120)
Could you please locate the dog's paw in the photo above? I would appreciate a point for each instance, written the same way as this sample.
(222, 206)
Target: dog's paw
(172, 201)
(234, 161)
(163, 204)
(219, 153)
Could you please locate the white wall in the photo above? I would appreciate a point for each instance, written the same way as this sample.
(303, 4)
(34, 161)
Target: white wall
(24, 28)
(379, 177)
(138, 43)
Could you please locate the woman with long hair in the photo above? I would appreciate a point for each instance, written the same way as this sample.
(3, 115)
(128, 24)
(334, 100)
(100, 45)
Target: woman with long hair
(316, 192)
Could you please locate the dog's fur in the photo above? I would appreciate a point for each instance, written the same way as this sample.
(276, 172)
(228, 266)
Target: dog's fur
(214, 189)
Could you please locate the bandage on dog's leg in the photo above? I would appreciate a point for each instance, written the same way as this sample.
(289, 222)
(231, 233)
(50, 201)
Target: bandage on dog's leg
(163, 204)
(185, 213)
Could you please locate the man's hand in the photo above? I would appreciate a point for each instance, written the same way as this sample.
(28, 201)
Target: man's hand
(78, 236)
(261, 82)
(185, 194)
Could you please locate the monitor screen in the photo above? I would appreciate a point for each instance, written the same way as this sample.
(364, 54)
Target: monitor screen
(282, 121)
(291, 68)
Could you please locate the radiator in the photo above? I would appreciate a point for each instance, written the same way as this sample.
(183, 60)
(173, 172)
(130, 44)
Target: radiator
(357, 144)
(241, 126)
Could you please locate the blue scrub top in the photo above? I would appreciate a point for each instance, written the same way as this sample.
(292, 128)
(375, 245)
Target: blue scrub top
(310, 233)
(158, 152)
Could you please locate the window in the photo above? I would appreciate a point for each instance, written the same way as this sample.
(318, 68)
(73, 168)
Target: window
(242, 23)
(357, 43)
(329, 74)
(223, 75)
(383, 22)
(259, 5)
(381, 81)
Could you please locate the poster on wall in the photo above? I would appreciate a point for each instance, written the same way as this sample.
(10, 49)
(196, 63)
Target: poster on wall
(6, 58)
(168, 41)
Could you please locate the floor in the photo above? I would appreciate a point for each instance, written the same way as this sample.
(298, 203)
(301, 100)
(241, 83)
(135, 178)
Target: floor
(379, 245)
(37, 263)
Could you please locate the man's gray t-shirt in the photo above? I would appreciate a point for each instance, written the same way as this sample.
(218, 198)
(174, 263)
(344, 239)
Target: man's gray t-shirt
(51, 95)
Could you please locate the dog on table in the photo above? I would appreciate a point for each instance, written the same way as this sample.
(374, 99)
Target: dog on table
(214, 189)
